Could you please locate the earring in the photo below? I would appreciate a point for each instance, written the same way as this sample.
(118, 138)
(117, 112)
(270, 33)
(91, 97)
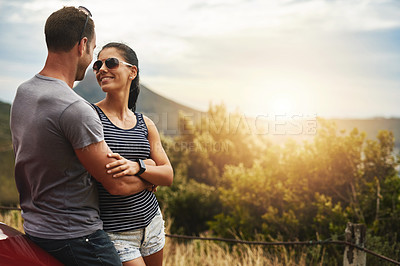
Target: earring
(131, 77)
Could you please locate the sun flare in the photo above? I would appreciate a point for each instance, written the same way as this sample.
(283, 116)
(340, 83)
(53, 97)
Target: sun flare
(281, 105)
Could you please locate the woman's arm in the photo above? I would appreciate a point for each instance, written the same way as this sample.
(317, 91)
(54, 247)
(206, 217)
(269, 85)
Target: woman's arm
(160, 174)
(93, 158)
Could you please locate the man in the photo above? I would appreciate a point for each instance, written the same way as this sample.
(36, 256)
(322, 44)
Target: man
(57, 136)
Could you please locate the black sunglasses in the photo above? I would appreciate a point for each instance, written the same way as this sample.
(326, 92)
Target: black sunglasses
(88, 14)
(111, 63)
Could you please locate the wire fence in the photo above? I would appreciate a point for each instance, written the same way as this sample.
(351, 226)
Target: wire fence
(282, 243)
(10, 208)
(288, 243)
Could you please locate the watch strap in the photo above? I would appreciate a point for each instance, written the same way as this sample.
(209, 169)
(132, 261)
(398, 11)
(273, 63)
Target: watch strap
(142, 167)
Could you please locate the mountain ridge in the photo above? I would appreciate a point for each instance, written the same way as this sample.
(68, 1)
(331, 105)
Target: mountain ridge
(165, 114)
(163, 111)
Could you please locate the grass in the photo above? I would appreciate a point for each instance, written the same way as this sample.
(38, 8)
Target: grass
(12, 218)
(198, 252)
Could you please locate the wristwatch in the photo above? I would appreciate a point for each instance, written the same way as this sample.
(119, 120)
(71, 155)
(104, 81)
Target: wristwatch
(142, 167)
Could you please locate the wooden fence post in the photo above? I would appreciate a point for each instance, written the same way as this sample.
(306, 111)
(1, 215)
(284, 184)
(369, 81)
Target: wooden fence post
(355, 233)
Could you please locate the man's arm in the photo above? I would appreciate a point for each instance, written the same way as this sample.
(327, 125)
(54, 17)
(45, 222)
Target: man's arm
(94, 158)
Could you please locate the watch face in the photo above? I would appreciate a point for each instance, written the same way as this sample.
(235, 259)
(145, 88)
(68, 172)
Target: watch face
(142, 165)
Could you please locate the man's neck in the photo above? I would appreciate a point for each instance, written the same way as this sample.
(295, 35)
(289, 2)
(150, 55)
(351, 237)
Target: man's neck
(61, 66)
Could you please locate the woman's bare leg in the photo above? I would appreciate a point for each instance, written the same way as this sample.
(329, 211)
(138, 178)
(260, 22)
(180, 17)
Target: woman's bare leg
(136, 262)
(155, 259)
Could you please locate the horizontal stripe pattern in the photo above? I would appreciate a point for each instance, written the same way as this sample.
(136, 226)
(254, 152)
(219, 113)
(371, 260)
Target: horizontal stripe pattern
(125, 213)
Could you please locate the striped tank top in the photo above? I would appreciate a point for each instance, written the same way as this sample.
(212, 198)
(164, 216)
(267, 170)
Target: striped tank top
(125, 213)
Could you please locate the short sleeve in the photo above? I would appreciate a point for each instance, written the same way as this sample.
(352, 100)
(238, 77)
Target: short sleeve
(81, 125)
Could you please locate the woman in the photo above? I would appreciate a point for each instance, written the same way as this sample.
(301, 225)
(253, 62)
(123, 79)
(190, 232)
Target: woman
(134, 223)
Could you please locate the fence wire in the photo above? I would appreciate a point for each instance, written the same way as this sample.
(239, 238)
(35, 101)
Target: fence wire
(288, 243)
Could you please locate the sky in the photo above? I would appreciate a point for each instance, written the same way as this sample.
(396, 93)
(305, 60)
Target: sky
(328, 58)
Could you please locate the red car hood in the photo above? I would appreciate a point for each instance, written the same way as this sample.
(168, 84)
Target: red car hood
(17, 249)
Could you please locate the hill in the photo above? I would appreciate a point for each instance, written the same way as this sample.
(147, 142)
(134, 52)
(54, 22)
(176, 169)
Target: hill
(8, 190)
(372, 126)
(5, 134)
(164, 112)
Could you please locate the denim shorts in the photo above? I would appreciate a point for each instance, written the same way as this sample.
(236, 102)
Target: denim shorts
(142, 242)
(94, 249)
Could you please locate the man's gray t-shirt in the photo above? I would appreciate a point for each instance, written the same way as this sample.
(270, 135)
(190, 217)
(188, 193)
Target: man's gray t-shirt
(49, 120)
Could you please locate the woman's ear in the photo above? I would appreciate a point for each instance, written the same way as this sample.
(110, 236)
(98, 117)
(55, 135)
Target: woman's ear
(133, 73)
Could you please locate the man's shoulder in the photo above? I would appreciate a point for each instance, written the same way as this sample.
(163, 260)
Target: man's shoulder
(44, 81)
(62, 95)
(79, 104)
(43, 88)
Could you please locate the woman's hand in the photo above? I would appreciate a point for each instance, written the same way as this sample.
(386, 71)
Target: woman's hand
(121, 167)
(149, 186)
(153, 188)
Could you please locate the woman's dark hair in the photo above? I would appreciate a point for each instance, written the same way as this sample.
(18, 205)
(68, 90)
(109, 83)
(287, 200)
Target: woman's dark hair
(131, 58)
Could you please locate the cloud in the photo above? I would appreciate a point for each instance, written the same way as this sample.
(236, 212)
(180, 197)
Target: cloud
(9, 87)
(240, 52)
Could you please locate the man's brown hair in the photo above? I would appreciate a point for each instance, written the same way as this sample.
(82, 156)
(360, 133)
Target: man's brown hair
(64, 28)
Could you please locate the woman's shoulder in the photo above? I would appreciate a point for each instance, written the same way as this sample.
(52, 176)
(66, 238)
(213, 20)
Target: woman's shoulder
(151, 126)
(147, 120)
